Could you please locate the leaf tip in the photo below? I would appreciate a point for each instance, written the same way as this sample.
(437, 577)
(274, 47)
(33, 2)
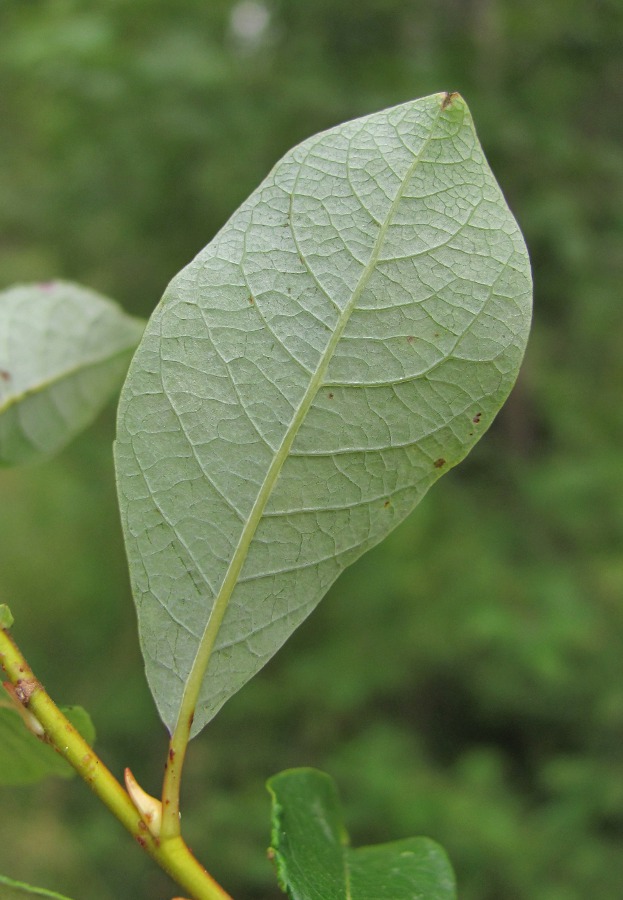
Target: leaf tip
(449, 98)
(6, 617)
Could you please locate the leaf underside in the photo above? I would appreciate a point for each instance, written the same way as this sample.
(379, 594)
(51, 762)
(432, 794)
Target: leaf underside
(25, 759)
(64, 350)
(314, 862)
(342, 342)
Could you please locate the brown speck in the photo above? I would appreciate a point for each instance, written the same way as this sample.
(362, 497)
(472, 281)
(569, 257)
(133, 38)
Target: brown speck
(386, 504)
(251, 300)
(141, 841)
(410, 339)
(142, 825)
(476, 419)
(436, 334)
(191, 719)
(449, 99)
(25, 688)
(330, 395)
(4, 375)
(439, 463)
(171, 754)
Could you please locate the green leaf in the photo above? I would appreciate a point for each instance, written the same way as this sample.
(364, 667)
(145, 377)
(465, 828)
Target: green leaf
(64, 350)
(15, 890)
(6, 616)
(314, 861)
(24, 758)
(344, 340)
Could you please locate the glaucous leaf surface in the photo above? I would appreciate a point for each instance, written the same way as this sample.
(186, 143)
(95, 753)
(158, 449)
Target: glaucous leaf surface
(15, 890)
(25, 759)
(313, 859)
(342, 342)
(64, 350)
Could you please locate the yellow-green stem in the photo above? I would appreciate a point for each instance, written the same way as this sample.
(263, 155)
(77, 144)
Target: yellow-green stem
(170, 852)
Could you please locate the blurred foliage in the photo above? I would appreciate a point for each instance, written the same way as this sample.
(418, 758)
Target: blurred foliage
(465, 679)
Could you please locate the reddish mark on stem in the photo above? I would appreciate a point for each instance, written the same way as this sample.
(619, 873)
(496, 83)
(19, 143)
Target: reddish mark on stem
(171, 754)
(141, 841)
(25, 688)
(439, 463)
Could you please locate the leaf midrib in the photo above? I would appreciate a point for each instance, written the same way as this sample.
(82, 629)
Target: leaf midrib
(221, 603)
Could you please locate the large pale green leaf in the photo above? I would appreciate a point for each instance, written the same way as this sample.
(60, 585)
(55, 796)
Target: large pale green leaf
(16, 890)
(64, 350)
(314, 861)
(25, 759)
(343, 341)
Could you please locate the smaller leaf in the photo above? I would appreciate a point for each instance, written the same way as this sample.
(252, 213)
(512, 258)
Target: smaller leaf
(64, 350)
(15, 890)
(314, 861)
(6, 616)
(25, 759)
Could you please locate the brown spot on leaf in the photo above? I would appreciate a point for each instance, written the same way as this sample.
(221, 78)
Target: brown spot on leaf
(476, 419)
(6, 376)
(449, 99)
(251, 300)
(386, 504)
(410, 339)
(330, 395)
(439, 463)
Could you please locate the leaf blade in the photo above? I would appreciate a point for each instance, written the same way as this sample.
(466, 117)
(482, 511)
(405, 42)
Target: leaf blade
(314, 861)
(63, 351)
(24, 759)
(343, 341)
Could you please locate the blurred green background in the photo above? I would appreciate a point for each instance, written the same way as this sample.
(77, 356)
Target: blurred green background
(465, 679)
